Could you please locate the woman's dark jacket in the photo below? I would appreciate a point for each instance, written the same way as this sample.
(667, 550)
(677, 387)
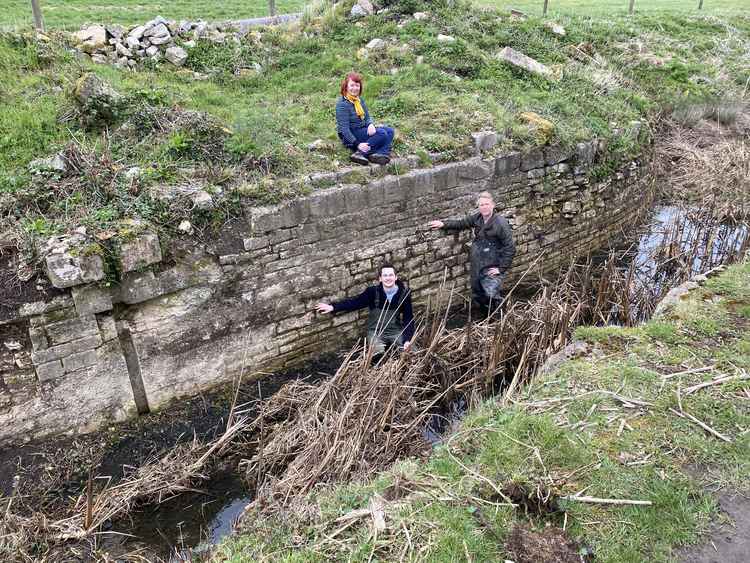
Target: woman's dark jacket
(374, 298)
(495, 236)
(347, 121)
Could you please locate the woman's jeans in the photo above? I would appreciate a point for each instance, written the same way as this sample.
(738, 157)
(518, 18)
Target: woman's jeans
(380, 142)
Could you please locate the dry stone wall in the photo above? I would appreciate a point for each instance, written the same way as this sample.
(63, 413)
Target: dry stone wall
(246, 302)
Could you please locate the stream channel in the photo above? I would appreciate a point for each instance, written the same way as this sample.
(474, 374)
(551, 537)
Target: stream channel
(191, 523)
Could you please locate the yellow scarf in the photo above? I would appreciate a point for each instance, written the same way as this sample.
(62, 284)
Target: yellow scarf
(357, 105)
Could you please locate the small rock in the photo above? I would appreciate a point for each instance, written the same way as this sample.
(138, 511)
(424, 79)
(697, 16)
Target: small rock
(80, 230)
(92, 91)
(132, 42)
(133, 173)
(115, 31)
(484, 140)
(544, 128)
(99, 59)
(318, 145)
(156, 31)
(200, 30)
(139, 252)
(25, 272)
(376, 44)
(137, 32)
(571, 208)
(362, 8)
(421, 15)
(151, 51)
(123, 51)
(94, 37)
(445, 38)
(12, 345)
(185, 227)
(189, 44)
(161, 39)
(520, 60)
(420, 60)
(53, 164)
(555, 28)
(156, 22)
(517, 14)
(176, 55)
(202, 200)
(357, 12)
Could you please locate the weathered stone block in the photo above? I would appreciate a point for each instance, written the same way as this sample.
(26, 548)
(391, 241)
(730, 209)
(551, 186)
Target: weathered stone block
(66, 269)
(445, 176)
(532, 159)
(140, 252)
(475, 169)
(556, 154)
(327, 203)
(79, 360)
(50, 370)
(38, 339)
(484, 141)
(90, 299)
(71, 329)
(107, 328)
(520, 60)
(586, 152)
(419, 184)
(271, 218)
(58, 352)
(507, 164)
(139, 286)
(176, 55)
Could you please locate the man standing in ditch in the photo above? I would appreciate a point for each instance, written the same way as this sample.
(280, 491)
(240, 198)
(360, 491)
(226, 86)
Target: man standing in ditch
(390, 320)
(492, 250)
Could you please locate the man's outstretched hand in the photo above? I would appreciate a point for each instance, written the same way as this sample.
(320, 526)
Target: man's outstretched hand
(436, 224)
(323, 308)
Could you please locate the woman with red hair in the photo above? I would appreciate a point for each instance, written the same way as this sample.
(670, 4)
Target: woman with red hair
(356, 128)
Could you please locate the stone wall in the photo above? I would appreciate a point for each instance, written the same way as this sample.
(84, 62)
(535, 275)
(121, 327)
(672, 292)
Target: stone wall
(245, 302)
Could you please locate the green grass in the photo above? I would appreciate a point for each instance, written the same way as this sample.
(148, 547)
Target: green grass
(614, 7)
(657, 457)
(459, 88)
(71, 14)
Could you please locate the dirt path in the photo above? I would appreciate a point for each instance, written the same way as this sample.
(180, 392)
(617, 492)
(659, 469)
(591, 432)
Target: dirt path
(728, 542)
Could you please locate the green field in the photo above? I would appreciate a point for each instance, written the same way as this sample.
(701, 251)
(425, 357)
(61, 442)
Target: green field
(615, 7)
(74, 13)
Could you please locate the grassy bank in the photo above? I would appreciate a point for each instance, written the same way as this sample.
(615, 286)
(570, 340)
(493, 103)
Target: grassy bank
(613, 424)
(251, 143)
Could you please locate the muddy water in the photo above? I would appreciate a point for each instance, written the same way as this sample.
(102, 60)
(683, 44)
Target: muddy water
(191, 523)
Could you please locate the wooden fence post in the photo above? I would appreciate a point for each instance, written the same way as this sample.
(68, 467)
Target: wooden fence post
(272, 7)
(544, 10)
(631, 5)
(37, 11)
(700, 5)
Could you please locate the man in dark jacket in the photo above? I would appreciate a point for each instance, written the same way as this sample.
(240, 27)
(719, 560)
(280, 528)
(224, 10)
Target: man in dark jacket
(390, 319)
(492, 250)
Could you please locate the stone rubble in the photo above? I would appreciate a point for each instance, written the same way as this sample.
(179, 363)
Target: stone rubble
(361, 9)
(155, 40)
(520, 60)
